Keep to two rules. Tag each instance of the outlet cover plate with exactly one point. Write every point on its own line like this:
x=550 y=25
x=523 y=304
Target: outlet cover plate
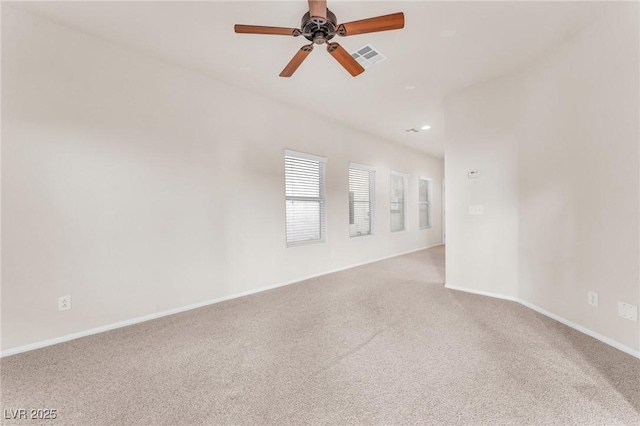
x=628 y=311
x=64 y=303
x=592 y=298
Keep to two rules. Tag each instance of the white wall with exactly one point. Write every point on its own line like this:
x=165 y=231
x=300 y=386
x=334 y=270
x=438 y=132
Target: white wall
x=562 y=165
x=579 y=216
x=481 y=127
x=135 y=186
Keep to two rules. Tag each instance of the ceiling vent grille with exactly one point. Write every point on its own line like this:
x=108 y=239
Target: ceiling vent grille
x=368 y=56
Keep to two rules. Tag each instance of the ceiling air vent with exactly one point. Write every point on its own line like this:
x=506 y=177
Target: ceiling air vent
x=368 y=56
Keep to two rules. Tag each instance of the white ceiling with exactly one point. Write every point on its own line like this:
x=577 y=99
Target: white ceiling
x=492 y=39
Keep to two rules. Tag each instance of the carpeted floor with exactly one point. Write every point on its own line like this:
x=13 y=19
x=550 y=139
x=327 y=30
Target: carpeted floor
x=384 y=343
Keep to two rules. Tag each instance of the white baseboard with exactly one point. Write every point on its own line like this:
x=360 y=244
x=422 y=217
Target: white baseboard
x=125 y=323
x=482 y=293
x=588 y=332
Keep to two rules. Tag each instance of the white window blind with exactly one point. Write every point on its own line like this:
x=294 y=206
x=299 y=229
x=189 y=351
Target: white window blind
x=398 y=201
x=304 y=198
x=424 y=203
x=361 y=199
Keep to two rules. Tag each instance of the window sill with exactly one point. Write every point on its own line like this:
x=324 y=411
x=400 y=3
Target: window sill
x=360 y=236
x=305 y=243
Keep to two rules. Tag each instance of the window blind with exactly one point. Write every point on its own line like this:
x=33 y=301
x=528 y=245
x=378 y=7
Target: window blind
x=398 y=198
x=304 y=199
x=361 y=200
x=424 y=203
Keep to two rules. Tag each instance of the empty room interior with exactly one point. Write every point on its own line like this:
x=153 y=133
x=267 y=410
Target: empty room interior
x=311 y=212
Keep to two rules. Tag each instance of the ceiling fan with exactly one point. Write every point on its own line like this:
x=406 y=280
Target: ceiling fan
x=319 y=25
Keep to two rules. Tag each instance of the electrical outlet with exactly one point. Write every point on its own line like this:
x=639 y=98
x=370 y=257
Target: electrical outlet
x=592 y=298
x=628 y=311
x=64 y=303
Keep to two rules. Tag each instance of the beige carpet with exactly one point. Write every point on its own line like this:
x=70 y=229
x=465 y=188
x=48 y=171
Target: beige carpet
x=379 y=344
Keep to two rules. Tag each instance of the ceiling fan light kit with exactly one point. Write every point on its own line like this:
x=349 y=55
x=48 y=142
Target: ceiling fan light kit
x=319 y=25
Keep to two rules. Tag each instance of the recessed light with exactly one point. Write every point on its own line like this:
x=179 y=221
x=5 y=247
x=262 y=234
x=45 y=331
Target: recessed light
x=425 y=127
x=409 y=87
x=447 y=33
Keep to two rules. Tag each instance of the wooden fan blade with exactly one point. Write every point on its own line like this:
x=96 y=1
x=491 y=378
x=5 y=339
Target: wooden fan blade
x=395 y=21
x=318 y=8
x=256 y=29
x=295 y=62
x=345 y=59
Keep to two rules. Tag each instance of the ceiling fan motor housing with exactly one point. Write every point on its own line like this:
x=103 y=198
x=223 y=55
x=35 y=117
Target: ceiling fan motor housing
x=317 y=31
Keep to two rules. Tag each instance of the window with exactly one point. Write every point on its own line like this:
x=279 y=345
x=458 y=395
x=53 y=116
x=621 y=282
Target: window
x=398 y=201
x=424 y=203
x=361 y=199
x=304 y=198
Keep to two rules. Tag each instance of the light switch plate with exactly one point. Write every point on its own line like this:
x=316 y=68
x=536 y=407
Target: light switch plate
x=476 y=209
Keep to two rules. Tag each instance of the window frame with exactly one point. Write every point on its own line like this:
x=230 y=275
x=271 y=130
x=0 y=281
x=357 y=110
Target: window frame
x=428 y=203
x=321 y=199
x=372 y=196
x=405 y=195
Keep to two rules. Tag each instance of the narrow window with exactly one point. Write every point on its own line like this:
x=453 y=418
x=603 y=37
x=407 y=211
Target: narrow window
x=304 y=198
x=424 y=203
x=398 y=201
x=361 y=199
